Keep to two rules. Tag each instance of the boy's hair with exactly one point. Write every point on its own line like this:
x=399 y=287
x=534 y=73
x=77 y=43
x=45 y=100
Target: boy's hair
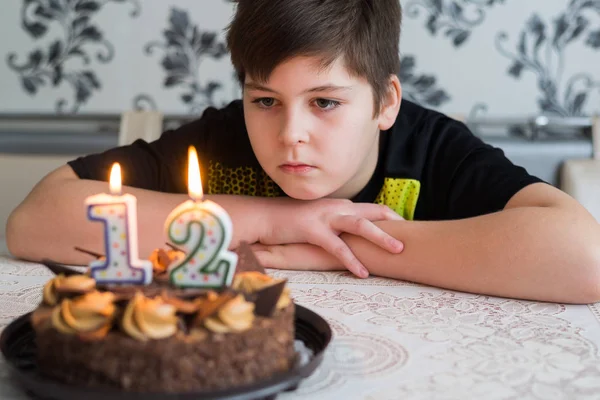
x=366 y=33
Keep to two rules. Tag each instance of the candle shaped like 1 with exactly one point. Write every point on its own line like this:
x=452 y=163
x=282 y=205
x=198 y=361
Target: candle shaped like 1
x=118 y=212
x=203 y=230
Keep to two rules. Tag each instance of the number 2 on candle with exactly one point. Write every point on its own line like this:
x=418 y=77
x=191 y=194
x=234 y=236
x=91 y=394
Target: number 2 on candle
x=204 y=238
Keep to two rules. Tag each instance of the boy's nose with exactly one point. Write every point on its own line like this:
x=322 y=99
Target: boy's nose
x=293 y=132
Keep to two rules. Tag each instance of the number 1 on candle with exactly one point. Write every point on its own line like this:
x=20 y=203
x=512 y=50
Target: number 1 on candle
x=118 y=214
x=121 y=264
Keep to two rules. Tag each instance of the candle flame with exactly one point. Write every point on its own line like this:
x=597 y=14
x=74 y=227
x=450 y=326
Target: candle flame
x=194 y=180
x=115 y=179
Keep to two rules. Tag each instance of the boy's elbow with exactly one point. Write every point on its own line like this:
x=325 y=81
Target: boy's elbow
x=16 y=234
x=22 y=226
x=590 y=284
x=22 y=230
x=595 y=266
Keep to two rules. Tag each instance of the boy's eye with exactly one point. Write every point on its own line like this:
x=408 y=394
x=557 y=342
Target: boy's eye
x=326 y=104
x=265 y=102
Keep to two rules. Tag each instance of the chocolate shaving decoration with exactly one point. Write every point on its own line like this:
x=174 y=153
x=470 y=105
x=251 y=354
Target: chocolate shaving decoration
x=58 y=269
x=89 y=252
x=208 y=307
x=64 y=292
x=162 y=278
x=182 y=325
x=247 y=261
x=267 y=298
x=123 y=297
x=41 y=315
x=249 y=297
x=163 y=259
x=182 y=306
x=189 y=293
x=127 y=292
x=172 y=246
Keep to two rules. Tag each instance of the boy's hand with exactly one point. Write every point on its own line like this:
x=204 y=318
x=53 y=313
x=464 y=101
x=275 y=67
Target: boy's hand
x=320 y=222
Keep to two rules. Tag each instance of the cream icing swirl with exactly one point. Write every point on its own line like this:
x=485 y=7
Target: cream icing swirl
x=146 y=318
x=237 y=315
x=90 y=315
x=79 y=284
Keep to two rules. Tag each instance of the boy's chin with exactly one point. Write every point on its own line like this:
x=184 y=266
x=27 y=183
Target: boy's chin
x=304 y=193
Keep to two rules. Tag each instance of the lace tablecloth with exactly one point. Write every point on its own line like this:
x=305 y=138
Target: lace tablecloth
x=397 y=340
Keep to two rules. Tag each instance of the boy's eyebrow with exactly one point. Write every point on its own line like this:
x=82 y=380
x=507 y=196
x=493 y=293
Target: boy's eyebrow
x=323 y=88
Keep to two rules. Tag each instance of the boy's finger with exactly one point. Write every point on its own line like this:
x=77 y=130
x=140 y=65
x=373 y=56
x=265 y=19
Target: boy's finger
x=376 y=212
x=364 y=228
x=337 y=247
x=297 y=256
x=270 y=259
x=259 y=247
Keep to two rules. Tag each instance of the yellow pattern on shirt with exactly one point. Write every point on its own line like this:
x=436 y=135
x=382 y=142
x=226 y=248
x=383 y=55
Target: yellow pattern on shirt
x=400 y=195
x=246 y=181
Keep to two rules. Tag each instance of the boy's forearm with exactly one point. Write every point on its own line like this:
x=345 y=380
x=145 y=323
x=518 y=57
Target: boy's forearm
x=51 y=223
x=248 y=214
x=534 y=253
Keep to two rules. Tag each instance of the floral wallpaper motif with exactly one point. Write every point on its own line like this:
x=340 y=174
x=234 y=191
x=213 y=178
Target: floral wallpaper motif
x=185 y=46
x=69 y=54
x=420 y=88
x=541 y=49
x=51 y=66
x=456 y=19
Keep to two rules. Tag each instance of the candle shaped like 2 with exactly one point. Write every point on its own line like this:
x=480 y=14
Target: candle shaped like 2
x=202 y=229
x=118 y=213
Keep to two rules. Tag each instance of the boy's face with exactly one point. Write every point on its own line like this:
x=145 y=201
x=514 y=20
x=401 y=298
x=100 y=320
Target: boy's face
x=312 y=129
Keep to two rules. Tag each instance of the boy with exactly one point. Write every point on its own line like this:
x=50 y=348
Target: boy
x=320 y=135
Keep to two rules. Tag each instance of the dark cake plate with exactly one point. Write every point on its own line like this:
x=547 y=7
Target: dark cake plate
x=17 y=344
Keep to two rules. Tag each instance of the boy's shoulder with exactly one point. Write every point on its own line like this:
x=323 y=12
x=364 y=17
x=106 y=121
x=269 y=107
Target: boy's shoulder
x=446 y=171
x=227 y=120
x=220 y=134
x=415 y=122
x=420 y=135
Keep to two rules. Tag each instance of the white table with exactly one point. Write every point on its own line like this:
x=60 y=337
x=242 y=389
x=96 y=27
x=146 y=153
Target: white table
x=398 y=340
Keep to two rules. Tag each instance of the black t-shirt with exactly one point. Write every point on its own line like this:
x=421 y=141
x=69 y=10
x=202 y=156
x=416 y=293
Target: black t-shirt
x=430 y=167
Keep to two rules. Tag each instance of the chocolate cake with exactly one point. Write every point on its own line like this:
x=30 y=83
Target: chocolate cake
x=157 y=338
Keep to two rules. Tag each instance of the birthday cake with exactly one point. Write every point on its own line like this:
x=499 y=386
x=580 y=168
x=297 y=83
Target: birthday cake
x=197 y=317
x=159 y=337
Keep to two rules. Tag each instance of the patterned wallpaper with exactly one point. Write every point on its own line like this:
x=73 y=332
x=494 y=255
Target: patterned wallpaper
x=493 y=57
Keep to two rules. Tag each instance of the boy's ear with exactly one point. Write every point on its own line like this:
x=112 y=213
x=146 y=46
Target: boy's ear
x=390 y=105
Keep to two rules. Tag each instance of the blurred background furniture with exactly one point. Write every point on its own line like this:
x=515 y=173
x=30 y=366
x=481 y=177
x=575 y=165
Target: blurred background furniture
x=140 y=124
x=581 y=177
x=540 y=144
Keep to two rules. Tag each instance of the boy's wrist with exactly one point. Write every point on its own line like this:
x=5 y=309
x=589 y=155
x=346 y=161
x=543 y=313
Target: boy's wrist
x=268 y=218
x=253 y=218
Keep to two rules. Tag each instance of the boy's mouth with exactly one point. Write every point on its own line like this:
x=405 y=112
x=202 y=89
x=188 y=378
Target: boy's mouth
x=296 y=168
